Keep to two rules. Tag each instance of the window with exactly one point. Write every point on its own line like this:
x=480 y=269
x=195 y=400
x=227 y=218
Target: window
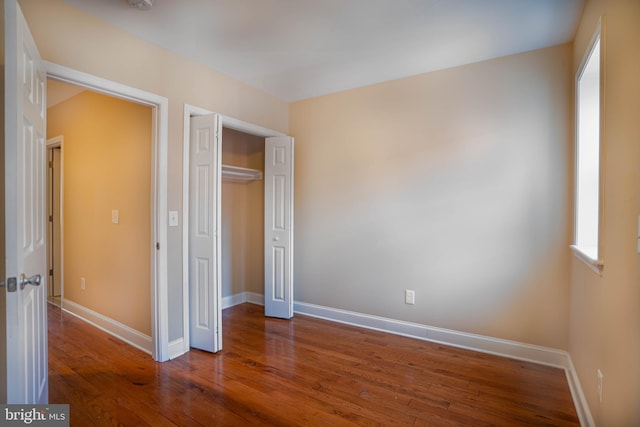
x=588 y=151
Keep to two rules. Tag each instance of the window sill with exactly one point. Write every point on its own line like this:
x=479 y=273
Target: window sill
x=583 y=255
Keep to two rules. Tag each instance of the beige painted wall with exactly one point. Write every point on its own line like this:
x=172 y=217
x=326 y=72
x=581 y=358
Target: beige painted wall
x=107 y=166
x=242 y=217
x=453 y=184
x=74 y=39
x=605 y=311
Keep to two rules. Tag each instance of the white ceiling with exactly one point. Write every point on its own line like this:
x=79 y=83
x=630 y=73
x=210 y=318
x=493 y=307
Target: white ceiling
x=296 y=49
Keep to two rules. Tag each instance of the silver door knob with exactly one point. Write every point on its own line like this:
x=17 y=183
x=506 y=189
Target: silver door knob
x=33 y=280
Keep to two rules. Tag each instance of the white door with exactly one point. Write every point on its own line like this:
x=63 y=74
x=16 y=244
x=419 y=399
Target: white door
x=25 y=207
x=204 y=222
x=278 y=227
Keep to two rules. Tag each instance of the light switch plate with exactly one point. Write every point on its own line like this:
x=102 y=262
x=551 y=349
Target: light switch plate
x=600 y=378
x=409 y=296
x=173 y=218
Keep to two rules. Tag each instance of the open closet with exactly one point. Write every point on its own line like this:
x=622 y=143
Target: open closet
x=239 y=214
x=242 y=221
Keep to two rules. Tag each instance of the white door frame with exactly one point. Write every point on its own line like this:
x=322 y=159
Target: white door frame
x=52 y=143
x=159 y=184
x=227 y=122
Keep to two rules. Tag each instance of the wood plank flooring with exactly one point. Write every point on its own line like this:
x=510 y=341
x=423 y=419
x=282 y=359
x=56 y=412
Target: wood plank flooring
x=303 y=372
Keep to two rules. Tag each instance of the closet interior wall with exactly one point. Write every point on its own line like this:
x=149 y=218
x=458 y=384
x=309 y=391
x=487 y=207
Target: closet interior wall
x=242 y=221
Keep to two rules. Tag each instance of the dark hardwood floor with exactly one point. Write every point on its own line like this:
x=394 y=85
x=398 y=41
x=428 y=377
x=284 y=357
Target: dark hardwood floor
x=303 y=372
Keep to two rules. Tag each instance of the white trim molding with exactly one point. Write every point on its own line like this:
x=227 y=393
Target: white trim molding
x=254 y=298
x=579 y=400
x=242 y=126
x=159 y=239
x=119 y=330
x=499 y=347
x=230 y=123
x=593 y=254
x=594 y=264
x=176 y=348
x=496 y=346
x=58 y=142
x=236 y=299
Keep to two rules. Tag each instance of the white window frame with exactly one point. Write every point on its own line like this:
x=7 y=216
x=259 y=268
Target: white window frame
x=583 y=253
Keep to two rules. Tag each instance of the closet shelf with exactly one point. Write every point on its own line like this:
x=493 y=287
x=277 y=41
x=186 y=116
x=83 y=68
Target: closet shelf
x=240 y=174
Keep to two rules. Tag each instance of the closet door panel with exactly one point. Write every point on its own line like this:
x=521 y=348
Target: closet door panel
x=278 y=293
x=204 y=249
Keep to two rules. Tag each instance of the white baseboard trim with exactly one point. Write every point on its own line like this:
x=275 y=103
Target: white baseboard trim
x=177 y=348
x=252 y=297
x=500 y=347
x=232 y=300
x=113 y=327
x=582 y=407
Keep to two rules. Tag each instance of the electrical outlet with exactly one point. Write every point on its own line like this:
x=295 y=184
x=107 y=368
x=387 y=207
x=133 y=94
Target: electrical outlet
x=600 y=379
x=409 y=296
x=83 y=284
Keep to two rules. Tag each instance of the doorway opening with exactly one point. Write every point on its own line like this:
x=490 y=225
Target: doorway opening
x=242 y=218
x=107 y=205
x=156 y=166
x=204 y=175
x=54 y=223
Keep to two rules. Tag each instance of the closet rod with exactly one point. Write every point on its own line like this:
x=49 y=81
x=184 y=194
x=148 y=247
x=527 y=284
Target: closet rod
x=238 y=173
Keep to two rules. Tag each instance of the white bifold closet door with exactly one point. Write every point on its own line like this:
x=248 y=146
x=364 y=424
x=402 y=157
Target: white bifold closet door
x=204 y=225
x=278 y=227
x=205 y=305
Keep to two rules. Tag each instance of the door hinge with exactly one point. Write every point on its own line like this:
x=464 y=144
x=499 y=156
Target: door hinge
x=158 y=245
x=50 y=218
x=51 y=272
x=50 y=165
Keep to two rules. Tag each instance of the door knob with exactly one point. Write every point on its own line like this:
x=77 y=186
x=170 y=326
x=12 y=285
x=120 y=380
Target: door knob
x=33 y=280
